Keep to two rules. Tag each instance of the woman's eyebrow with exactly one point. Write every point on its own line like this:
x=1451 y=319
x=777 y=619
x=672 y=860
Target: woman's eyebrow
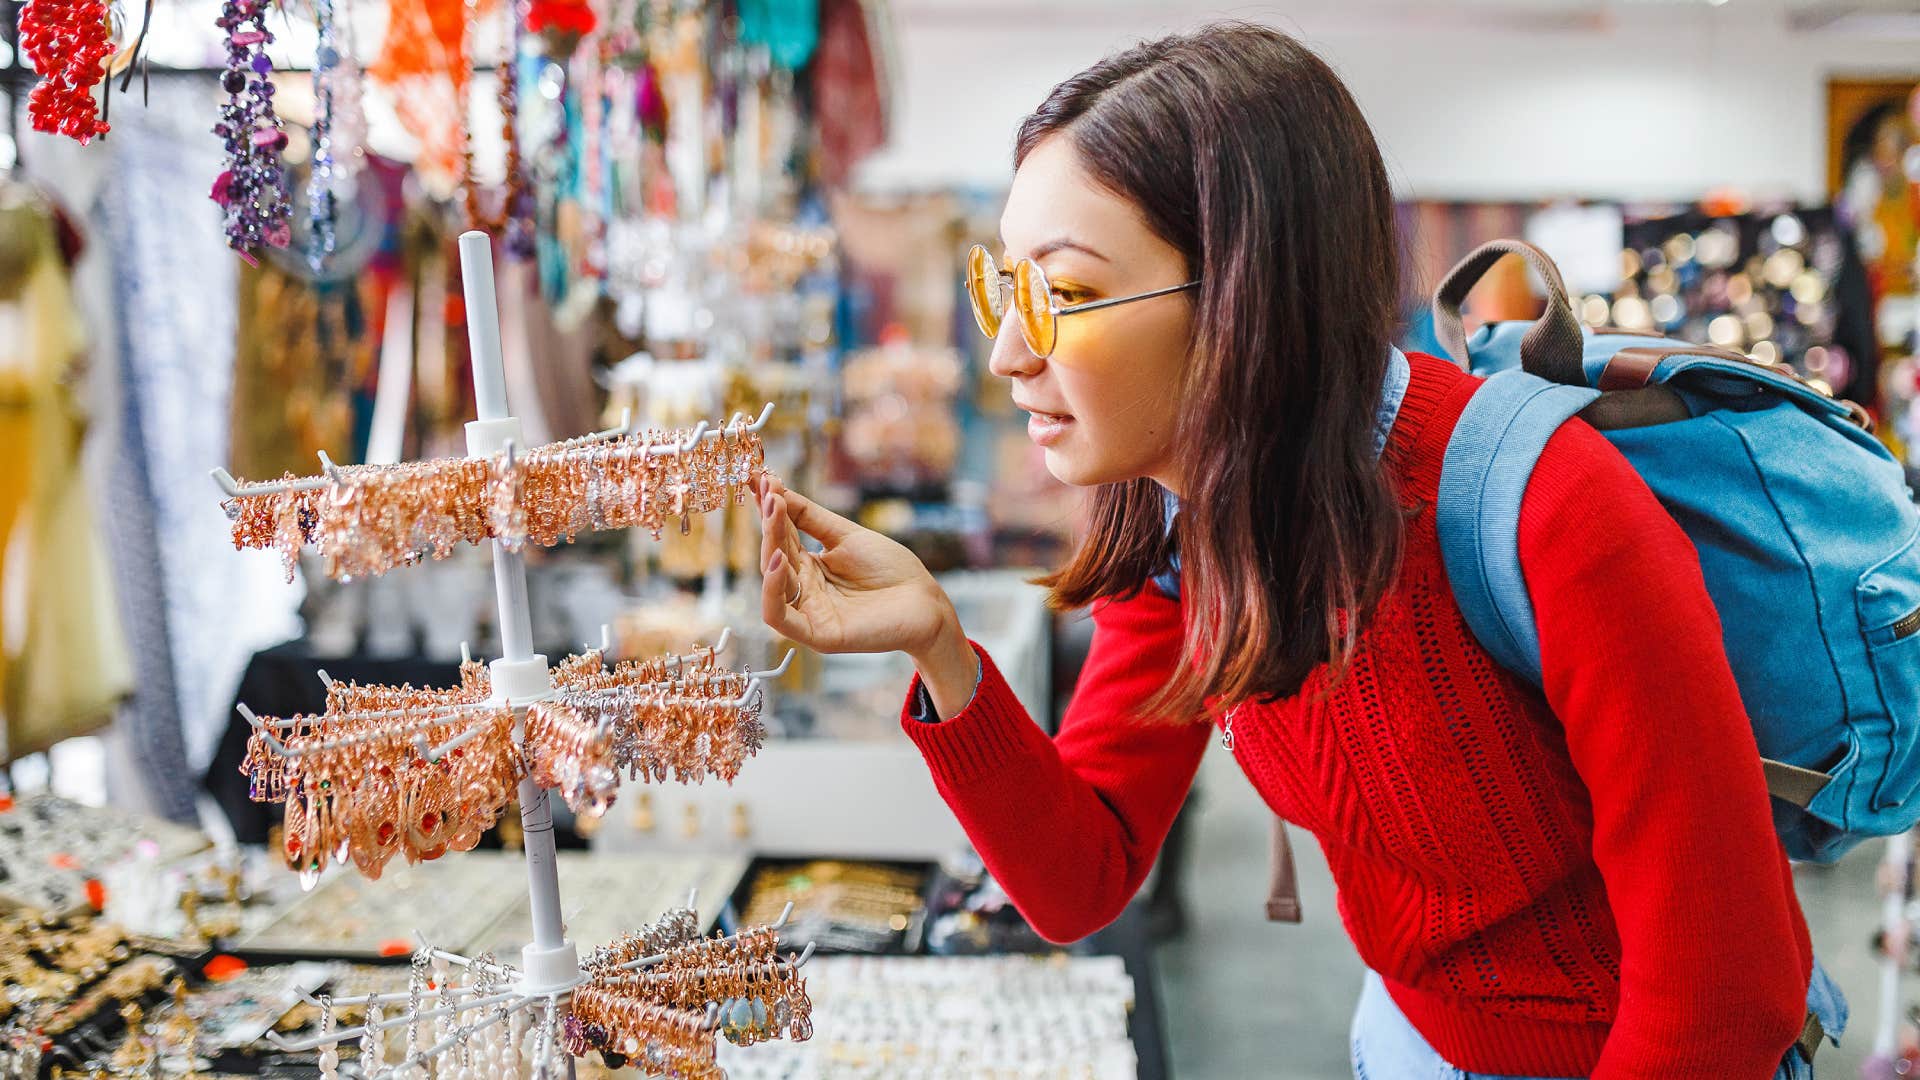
x=1058 y=244
x=1064 y=244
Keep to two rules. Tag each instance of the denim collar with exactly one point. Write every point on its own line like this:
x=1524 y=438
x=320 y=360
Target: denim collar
x=1393 y=391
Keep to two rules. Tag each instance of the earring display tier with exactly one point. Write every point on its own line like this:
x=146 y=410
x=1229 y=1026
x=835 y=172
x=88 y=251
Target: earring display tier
x=659 y=998
x=963 y=1018
x=389 y=771
x=367 y=519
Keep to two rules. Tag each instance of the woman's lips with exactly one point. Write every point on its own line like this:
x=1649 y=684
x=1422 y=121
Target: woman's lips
x=1047 y=428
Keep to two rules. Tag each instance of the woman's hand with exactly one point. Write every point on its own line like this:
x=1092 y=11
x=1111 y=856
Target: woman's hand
x=863 y=593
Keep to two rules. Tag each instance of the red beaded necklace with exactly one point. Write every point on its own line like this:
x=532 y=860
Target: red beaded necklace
x=67 y=40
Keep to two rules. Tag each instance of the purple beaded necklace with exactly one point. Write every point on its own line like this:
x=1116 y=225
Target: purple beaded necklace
x=253 y=189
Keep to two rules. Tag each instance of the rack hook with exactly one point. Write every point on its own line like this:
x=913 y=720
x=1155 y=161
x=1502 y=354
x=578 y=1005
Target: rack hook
x=333 y=471
x=775 y=673
x=746 y=695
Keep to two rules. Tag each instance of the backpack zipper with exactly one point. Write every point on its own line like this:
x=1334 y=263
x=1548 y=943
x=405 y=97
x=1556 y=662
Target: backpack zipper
x=1908 y=624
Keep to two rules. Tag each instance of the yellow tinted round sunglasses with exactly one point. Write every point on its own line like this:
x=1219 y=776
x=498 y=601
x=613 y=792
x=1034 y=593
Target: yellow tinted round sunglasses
x=988 y=286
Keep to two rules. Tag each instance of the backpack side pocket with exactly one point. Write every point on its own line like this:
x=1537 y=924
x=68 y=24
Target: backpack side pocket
x=1888 y=603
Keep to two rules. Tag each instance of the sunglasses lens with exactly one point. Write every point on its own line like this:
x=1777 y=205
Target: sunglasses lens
x=1033 y=299
x=984 y=291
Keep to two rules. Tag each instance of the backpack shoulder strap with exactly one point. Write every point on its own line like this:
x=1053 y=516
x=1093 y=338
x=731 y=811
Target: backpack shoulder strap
x=1489 y=459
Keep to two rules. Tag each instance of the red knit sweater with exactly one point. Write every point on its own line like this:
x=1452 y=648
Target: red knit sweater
x=1582 y=884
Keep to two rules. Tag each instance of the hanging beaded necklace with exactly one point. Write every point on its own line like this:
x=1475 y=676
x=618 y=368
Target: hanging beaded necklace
x=253 y=188
x=508 y=97
x=67 y=41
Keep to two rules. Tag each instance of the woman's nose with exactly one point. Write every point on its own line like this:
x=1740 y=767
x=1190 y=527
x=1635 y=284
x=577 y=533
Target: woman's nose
x=1010 y=354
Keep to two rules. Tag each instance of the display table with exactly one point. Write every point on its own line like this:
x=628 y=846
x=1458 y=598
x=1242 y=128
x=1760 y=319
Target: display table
x=347 y=920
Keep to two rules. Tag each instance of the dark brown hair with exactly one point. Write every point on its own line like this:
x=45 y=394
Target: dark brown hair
x=1244 y=150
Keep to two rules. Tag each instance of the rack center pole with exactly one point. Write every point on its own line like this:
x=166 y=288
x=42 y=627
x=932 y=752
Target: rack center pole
x=520 y=675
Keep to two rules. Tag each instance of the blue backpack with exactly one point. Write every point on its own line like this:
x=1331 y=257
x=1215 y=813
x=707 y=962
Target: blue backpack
x=1803 y=521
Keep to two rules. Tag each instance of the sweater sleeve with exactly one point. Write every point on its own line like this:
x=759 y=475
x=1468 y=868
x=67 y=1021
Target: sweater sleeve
x=1070 y=826
x=1715 y=956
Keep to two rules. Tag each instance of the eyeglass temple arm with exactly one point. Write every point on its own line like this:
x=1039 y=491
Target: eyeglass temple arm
x=1095 y=305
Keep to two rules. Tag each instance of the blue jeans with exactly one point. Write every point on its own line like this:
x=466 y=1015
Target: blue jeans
x=1386 y=1047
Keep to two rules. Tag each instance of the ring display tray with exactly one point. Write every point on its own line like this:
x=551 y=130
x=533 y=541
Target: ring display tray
x=50 y=846
x=350 y=917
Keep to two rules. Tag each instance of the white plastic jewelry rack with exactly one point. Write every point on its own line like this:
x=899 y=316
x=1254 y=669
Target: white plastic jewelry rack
x=501 y=1005
x=549 y=968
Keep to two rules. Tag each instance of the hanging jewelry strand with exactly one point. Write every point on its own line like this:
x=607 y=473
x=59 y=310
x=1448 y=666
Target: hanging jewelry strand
x=253 y=189
x=507 y=96
x=322 y=208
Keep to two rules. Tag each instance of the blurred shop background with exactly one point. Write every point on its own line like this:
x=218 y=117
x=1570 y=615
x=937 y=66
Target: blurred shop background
x=702 y=206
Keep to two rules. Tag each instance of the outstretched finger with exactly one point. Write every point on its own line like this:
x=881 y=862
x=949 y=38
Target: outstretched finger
x=776 y=590
x=773 y=528
x=778 y=531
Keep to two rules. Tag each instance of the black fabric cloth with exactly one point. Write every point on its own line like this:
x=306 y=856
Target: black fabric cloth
x=282 y=681
x=1853 y=325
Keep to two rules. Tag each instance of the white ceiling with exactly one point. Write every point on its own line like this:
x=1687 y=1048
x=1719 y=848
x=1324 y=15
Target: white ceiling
x=1805 y=14
x=1082 y=8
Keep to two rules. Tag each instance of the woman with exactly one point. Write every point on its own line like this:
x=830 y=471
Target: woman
x=1195 y=304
